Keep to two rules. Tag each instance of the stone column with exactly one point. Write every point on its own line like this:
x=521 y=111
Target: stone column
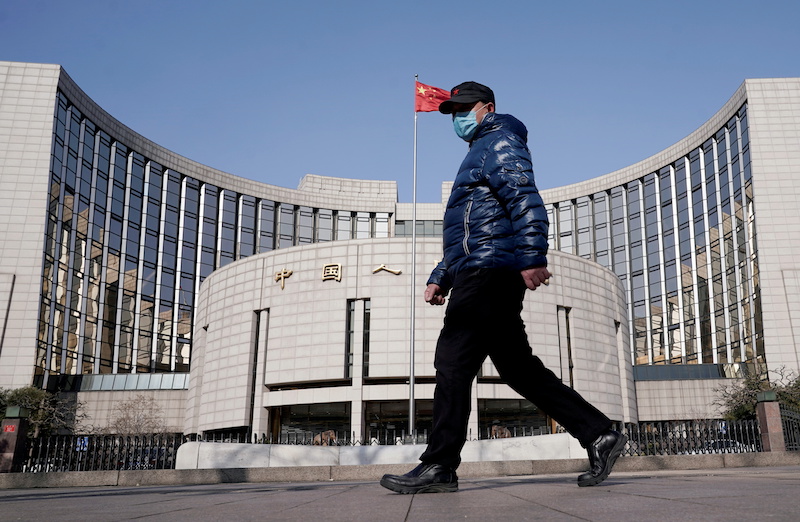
x=768 y=412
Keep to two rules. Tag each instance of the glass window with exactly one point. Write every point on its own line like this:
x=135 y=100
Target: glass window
x=634 y=212
x=299 y=423
x=515 y=417
x=229 y=207
x=565 y=227
x=349 y=341
x=286 y=226
x=148 y=274
x=650 y=192
x=363 y=225
x=552 y=231
x=208 y=233
x=324 y=225
x=169 y=253
x=637 y=256
x=182 y=355
x=266 y=226
x=227 y=230
x=343 y=225
x=173 y=189
x=137 y=174
x=583 y=213
x=247 y=226
x=305 y=225
x=696 y=175
x=382 y=224
x=602 y=232
x=565 y=223
x=365 y=338
x=191 y=224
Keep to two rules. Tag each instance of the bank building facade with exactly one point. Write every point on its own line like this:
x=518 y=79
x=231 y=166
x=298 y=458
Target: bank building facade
x=126 y=270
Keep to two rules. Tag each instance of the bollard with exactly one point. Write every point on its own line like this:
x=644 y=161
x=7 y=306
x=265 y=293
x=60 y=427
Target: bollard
x=768 y=412
x=13 y=437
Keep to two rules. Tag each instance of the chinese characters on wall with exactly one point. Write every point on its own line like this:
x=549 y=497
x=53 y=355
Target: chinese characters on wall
x=330 y=272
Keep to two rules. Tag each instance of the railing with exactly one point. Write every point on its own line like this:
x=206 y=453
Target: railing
x=790 y=420
x=691 y=437
x=117 y=452
x=325 y=438
x=102 y=452
x=644 y=438
x=382 y=437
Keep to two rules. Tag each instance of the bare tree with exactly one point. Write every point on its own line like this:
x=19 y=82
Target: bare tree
x=49 y=412
x=738 y=400
x=137 y=416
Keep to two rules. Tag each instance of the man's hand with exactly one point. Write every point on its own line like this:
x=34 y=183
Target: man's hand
x=534 y=277
x=434 y=294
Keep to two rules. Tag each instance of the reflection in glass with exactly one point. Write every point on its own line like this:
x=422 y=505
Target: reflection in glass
x=683 y=244
x=128 y=240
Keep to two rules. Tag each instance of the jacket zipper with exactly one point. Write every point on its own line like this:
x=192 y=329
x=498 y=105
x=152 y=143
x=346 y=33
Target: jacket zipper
x=466 y=226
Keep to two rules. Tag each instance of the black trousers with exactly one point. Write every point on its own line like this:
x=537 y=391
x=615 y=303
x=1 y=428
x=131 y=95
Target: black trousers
x=483 y=318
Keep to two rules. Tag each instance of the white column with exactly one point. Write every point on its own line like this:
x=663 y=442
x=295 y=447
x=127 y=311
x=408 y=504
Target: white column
x=472 y=424
x=356 y=403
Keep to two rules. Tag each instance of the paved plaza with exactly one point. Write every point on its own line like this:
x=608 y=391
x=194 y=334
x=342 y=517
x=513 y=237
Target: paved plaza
x=765 y=493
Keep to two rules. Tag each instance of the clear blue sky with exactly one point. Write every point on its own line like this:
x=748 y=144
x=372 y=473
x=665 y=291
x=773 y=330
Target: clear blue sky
x=273 y=90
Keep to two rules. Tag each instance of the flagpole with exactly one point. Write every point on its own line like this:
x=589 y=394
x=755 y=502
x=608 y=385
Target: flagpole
x=413 y=290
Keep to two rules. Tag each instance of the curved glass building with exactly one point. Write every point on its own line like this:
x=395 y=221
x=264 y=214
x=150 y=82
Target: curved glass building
x=681 y=236
x=108 y=238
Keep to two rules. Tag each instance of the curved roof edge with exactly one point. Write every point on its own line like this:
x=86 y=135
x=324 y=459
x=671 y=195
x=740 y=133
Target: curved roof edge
x=564 y=258
x=313 y=190
x=374 y=195
x=655 y=162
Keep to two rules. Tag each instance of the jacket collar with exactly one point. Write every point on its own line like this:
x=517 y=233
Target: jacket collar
x=494 y=122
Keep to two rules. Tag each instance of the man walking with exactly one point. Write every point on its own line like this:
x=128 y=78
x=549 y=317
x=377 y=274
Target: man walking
x=495 y=247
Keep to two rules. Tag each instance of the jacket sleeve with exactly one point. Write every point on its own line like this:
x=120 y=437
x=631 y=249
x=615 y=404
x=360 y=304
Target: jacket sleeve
x=510 y=178
x=440 y=277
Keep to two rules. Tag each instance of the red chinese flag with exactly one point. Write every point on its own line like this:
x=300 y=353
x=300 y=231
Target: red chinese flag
x=428 y=98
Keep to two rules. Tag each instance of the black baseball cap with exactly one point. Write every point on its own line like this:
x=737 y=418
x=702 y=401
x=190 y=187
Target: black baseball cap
x=467 y=92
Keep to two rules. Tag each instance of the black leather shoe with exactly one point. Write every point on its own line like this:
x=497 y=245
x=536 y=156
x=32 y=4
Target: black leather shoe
x=602 y=454
x=425 y=478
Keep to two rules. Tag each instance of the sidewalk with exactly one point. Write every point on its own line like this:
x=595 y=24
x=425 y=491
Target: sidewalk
x=718 y=494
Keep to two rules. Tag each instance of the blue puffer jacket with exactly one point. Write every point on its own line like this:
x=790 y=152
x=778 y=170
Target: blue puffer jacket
x=495 y=217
